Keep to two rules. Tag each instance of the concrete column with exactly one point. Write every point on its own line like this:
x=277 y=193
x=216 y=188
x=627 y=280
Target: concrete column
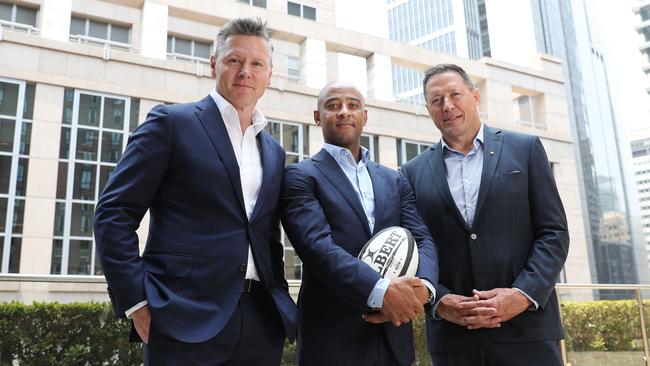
x=313 y=61
x=380 y=77
x=40 y=197
x=55 y=19
x=388 y=151
x=153 y=37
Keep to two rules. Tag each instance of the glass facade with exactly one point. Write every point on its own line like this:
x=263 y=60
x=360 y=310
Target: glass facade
x=16 y=113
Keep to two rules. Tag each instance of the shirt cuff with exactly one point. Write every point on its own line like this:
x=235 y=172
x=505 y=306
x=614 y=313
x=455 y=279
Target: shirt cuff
x=432 y=291
x=376 y=298
x=135 y=307
x=534 y=305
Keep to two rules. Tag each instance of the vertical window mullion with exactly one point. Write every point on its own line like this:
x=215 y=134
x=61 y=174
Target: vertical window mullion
x=14 y=12
x=87 y=30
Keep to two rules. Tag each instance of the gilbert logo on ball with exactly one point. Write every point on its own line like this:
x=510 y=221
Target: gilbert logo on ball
x=392 y=252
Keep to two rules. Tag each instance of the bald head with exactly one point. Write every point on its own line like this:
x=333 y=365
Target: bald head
x=337 y=85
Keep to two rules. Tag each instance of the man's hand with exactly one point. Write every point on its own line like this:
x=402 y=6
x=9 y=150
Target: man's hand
x=507 y=302
x=421 y=293
x=463 y=311
x=142 y=321
x=400 y=304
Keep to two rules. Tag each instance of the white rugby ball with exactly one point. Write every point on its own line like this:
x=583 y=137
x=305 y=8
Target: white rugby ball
x=392 y=252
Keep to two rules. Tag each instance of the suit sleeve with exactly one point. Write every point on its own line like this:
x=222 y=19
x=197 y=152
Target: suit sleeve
x=126 y=198
x=307 y=227
x=551 y=245
x=411 y=220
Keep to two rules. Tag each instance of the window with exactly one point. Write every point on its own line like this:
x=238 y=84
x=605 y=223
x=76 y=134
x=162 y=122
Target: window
x=17 y=14
x=292 y=136
x=16 y=111
x=258 y=3
x=99 y=32
x=407 y=150
x=293 y=67
x=525 y=107
x=94 y=132
x=301 y=10
x=188 y=49
x=371 y=143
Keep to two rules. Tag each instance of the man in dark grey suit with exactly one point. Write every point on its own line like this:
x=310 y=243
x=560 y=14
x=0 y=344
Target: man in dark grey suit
x=490 y=201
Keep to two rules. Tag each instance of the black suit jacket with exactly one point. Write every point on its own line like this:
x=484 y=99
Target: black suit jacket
x=326 y=223
x=519 y=237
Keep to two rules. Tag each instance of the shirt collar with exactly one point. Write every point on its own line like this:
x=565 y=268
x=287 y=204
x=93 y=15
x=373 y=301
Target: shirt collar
x=343 y=155
x=229 y=113
x=478 y=141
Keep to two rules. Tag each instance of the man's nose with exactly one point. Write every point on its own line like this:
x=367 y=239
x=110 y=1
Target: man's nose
x=344 y=111
x=447 y=104
x=244 y=71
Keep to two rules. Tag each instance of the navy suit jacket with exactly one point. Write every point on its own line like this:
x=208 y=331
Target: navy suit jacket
x=519 y=237
x=325 y=221
x=180 y=165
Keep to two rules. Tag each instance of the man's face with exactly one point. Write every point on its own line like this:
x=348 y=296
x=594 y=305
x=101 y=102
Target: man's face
x=342 y=114
x=243 y=70
x=452 y=105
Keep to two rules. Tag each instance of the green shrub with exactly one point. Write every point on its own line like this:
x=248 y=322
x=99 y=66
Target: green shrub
x=608 y=325
x=89 y=334
x=65 y=334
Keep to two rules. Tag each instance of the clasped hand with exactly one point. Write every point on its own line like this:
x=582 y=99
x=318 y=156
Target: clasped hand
x=485 y=309
x=403 y=301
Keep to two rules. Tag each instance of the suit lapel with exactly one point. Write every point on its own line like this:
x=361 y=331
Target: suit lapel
x=493 y=141
x=210 y=117
x=379 y=190
x=326 y=164
x=438 y=173
x=268 y=161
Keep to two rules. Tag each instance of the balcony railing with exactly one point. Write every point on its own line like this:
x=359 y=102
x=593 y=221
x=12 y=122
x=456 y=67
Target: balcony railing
x=18 y=26
x=605 y=324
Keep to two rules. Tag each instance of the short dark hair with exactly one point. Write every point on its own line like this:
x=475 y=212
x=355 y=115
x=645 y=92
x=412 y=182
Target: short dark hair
x=441 y=69
x=243 y=27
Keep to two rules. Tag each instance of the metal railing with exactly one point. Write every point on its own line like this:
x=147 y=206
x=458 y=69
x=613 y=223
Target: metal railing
x=632 y=292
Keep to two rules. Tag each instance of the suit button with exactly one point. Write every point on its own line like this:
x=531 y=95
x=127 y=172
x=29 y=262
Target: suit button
x=473 y=236
x=242 y=268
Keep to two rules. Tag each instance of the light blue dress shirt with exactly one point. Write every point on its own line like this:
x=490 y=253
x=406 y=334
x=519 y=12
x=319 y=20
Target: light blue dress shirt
x=464 y=180
x=357 y=174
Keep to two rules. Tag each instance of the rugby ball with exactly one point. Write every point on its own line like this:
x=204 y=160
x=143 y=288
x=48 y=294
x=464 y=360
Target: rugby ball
x=392 y=252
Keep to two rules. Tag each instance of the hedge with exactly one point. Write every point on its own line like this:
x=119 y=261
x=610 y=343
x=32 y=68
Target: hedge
x=89 y=334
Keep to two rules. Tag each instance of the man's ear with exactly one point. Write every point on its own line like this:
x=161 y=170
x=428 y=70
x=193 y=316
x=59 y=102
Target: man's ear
x=213 y=66
x=317 y=118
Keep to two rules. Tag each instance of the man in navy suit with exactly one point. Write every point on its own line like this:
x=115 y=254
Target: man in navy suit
x=331 y=205
x=209 y=288
x=489 y=199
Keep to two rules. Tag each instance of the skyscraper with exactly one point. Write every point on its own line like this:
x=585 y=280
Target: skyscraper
x=449 y=26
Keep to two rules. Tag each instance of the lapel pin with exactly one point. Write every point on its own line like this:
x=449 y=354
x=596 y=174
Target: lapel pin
x=491 y=152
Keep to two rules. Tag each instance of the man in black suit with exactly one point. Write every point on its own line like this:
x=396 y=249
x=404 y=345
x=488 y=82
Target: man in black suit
x=490 y=201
